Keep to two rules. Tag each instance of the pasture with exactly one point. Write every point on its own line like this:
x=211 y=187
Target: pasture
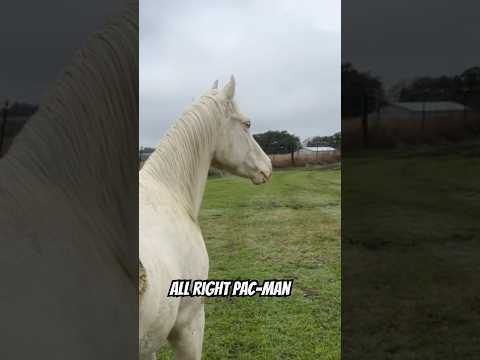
x=287 y=229
x=411 y=239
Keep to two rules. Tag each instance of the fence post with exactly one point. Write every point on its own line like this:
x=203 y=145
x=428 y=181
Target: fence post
x=2 y=127
x=365 y=120
x=423 y=120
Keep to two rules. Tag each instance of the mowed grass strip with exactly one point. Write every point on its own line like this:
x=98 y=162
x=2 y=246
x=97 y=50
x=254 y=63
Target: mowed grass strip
x=286 y=229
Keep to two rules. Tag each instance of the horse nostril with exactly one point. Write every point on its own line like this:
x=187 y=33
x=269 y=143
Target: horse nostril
x=266 y=175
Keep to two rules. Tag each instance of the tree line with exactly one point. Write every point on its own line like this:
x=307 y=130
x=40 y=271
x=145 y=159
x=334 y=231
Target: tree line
x=361 y=90
x=463 y=88
x=334 y=141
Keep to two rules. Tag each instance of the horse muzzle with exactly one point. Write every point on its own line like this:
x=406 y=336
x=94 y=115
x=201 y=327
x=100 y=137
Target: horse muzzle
x=261 y=177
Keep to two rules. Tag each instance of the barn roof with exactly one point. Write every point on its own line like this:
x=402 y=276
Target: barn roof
x=431 y=106
x=319 y=148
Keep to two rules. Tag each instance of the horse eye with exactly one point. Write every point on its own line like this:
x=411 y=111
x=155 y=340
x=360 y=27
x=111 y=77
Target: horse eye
x=247 y=124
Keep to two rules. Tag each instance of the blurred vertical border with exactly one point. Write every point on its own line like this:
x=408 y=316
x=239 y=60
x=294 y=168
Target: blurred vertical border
x=69 y=180
x=410 y=189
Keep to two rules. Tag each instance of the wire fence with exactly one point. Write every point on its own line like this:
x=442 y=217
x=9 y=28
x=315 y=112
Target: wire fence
x=302 y=158
x=424 y=122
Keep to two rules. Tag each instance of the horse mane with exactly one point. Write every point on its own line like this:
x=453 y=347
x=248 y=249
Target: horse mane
x=174 y=163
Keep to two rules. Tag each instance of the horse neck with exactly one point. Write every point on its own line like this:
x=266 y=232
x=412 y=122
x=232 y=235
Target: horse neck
x=182 y=159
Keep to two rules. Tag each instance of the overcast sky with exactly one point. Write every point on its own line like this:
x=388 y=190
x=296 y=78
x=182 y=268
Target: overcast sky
x=285 y=56
x=39 y=38
x=405 y=39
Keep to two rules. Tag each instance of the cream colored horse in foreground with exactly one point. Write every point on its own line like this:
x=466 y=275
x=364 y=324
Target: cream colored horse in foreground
x=172 y=183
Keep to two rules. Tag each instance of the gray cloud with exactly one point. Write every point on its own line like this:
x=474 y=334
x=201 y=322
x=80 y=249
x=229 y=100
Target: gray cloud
x=285 y=56
x=39 y=38
x=405 y=39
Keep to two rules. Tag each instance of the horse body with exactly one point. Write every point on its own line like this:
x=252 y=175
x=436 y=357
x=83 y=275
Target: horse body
x=171 y=233
x=172 y=184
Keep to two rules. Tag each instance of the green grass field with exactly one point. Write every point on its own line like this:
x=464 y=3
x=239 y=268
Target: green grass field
x=410 y=253
x=287 y=229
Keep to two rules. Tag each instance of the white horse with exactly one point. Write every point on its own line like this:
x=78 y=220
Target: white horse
x=172 y=183
x=68 y=229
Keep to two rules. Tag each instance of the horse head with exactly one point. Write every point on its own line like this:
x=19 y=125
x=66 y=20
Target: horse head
x=236 y=150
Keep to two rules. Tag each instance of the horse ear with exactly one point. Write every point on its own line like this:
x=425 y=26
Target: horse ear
x=229 y=89
x=215 y=85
